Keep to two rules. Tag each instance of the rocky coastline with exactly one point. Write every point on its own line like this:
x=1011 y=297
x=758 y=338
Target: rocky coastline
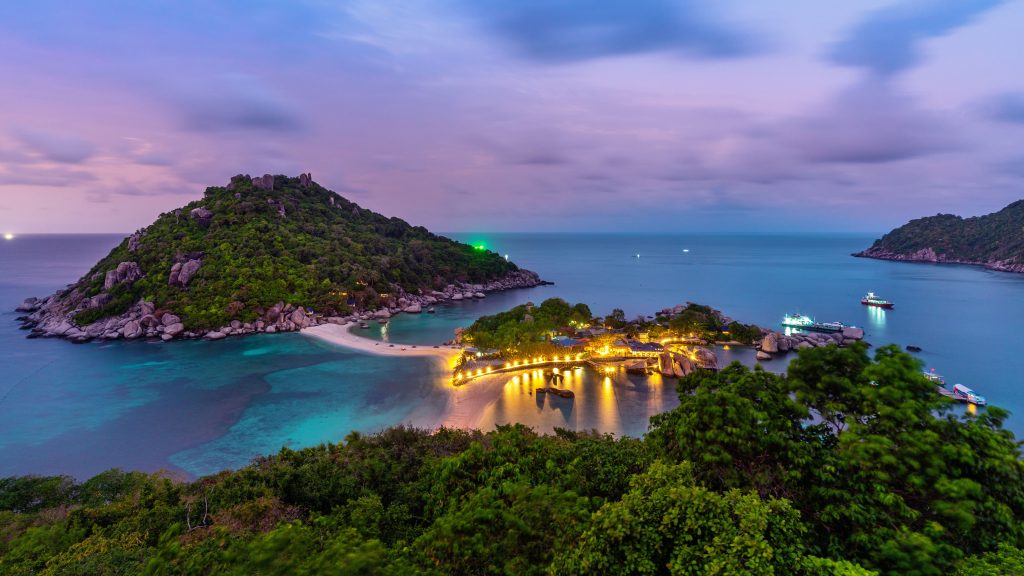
x=774 y=343
x=54 y=316
x=928 y=255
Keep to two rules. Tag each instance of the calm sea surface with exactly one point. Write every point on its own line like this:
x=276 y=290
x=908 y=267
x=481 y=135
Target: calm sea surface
x=198 y=407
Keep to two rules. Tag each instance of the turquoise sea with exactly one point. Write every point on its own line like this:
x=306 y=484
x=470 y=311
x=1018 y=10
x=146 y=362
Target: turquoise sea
x=197 y=407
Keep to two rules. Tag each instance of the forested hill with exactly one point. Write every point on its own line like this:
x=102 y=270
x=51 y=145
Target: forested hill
x=995 y=240
x=261 y=242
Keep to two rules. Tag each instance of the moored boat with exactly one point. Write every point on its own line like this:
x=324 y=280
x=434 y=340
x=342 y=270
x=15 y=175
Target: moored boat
x=802 y=322
x=797 y=321
x=870 y=299
x=964 y=393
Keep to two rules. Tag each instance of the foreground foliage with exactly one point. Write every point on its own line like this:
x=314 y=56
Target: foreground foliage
x=848 y=466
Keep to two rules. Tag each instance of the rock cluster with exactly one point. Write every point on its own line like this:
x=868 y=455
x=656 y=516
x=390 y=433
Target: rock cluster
x=202 y=216
x=182 y=272
x=125 y=273
x=776 y=343
x=278 y=205
x=265 y=182
x=679 y=365
x=306 y=179
x=53 y=317
x=133 y=240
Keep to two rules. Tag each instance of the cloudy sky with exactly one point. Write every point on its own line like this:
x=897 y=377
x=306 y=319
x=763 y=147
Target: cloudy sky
x=553 y=115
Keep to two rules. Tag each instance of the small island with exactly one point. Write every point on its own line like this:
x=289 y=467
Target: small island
x=263 y=255
x=675 y=342
x=995 y=241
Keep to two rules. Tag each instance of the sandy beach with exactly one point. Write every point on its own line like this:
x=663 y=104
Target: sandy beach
x=464 y=405
x=342 y=335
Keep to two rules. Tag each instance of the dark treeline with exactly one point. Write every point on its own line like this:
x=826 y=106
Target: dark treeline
x=850 y=465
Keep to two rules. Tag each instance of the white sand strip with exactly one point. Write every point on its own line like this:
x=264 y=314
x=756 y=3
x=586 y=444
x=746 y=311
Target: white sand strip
x=465 y=404
x=342 y=335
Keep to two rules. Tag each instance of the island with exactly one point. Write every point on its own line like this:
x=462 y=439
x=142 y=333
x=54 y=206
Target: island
x=995 y=241
x=675 y=342
x=266 y=254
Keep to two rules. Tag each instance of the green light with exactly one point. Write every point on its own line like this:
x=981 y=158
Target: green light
x=480 y=247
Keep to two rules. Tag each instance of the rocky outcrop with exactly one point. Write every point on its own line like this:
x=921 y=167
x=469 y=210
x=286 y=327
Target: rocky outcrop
x=279 y=206
x=29 y=305
x=777 y=343
x=98 y=301
x=929 y=255
x=306 y=180
x=182 y=272
x=125 y=273
x=265 y=182
x=54 y=316
x=202 y=216
x=133 y=241
x=299 y=319
x=132 y=329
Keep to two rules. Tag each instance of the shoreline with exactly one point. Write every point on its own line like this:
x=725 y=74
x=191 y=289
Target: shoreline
x=915 y=258
x=465 y=405
x=342 y=335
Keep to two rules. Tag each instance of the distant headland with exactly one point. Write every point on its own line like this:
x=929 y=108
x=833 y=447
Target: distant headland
x=995 y=241
x=265 y=254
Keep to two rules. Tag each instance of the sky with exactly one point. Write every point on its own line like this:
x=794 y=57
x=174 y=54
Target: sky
x=524 y=115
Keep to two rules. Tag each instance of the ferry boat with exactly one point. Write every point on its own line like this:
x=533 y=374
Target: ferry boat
x=797 y=321
x=933 y=376
x=871 y=300
x=827 y=327
x=964 y=393
x=807 y=323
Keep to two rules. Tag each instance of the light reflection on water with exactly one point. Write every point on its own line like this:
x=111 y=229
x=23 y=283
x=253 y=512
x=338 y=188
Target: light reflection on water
x=619 y=403
x=876 y=317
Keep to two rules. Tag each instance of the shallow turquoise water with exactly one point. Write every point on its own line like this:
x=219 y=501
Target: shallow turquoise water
x=198 y=407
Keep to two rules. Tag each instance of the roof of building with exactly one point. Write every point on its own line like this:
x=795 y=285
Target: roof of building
x=635 y=346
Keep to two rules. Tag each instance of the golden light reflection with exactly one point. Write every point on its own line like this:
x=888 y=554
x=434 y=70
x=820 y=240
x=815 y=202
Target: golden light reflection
x=608 y=407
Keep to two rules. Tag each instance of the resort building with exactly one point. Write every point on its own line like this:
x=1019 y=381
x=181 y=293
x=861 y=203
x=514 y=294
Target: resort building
x=638 y=349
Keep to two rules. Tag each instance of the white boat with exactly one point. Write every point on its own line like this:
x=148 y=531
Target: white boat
x=970 y=396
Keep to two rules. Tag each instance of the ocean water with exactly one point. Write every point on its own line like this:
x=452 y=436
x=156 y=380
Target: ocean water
x=197 y=407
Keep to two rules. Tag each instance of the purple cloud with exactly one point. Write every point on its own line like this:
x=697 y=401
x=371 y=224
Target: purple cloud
x=574 y=30
x=57 y=146
x=238 y=103
x=869 y=124
x=888 y=40
x=1007 y=107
